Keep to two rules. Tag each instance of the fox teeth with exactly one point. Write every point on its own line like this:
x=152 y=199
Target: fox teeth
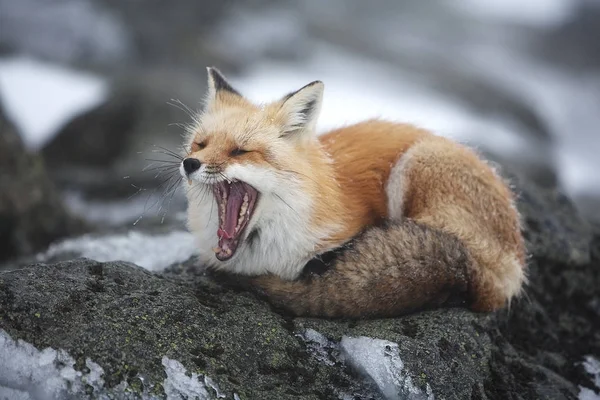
x=243 y=209
x=190 y=181
x=216 y=249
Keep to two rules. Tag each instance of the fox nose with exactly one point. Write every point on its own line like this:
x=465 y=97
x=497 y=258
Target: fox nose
x=191 y=165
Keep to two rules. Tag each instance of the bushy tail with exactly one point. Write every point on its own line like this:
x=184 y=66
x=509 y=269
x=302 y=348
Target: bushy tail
x=386 y=271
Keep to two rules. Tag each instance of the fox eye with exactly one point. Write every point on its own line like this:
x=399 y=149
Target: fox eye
x=238 y=152
x=198 y=146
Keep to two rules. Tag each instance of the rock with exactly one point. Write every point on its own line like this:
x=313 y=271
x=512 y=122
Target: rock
x=98 y=137
x=126 y=319
x=95 y=151
x=143 y=329
x=31 y=210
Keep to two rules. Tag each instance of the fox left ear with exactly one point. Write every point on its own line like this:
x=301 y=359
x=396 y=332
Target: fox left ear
x=217 y=83
x=300 y=110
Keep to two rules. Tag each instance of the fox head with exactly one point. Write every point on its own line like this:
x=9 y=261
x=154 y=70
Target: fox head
x=252 y=163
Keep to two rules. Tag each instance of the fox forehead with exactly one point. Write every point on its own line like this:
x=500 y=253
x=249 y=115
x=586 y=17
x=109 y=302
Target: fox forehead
x=236 y=126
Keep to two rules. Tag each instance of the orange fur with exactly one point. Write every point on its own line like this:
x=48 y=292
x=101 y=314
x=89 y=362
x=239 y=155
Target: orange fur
x=449 y=188
x=451 y=222
x=362 y=156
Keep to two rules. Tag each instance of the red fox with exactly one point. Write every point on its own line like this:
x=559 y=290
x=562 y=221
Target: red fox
x=414 y=220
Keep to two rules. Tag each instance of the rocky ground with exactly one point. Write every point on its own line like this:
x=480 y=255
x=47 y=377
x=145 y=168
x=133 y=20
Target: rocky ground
x=75 y=327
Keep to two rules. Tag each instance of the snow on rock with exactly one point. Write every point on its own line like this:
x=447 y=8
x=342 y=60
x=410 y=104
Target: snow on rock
x=318 y=345
x=375 y=359
x=588 y=394
x=178 y=385
x=592 y=367
x=40 y=97
x=153 y=252
x=29 y=373
x=380 y=361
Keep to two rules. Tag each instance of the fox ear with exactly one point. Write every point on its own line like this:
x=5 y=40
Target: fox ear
x=300 y=109
x=217 y=84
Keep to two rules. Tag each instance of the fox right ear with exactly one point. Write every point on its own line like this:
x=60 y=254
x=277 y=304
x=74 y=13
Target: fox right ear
x=300 y=110
x=217 y=84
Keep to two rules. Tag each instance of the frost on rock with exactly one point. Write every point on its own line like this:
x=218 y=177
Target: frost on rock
x=380 y=361
x=376 y=359
x=179 y=385
x=318 y=345
x=29 y=373
x=211 y=384
x=153 y=252
x=592 y=367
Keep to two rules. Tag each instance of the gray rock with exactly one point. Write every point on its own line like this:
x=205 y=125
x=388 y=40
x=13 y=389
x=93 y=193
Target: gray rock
x=95 y=151
x=31 y=210
x=127 y=319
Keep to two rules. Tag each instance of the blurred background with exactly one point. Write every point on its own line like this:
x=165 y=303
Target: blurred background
x=90 y=89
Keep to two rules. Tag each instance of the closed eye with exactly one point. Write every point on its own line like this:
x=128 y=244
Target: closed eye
x=238 y=152
x=198 y=146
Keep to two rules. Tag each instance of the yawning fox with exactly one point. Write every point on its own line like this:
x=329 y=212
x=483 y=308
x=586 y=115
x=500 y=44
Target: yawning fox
x=402 y=219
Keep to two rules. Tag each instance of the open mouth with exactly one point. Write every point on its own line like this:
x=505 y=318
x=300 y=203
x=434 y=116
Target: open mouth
x=236 y=201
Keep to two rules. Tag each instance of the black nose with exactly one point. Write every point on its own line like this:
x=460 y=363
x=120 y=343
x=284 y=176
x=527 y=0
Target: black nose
x=191 y=165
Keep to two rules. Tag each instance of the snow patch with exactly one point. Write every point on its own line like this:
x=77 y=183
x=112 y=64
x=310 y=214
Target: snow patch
x=380 y=361
x=587 y=394
x=40 y=97
x=29 y=373
x=375 y=359
x=179 y=385
x=153 y=252
x=592 y=367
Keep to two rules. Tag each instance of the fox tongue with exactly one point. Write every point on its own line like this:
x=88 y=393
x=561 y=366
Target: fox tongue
x=236 y=202
x=227 y=232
